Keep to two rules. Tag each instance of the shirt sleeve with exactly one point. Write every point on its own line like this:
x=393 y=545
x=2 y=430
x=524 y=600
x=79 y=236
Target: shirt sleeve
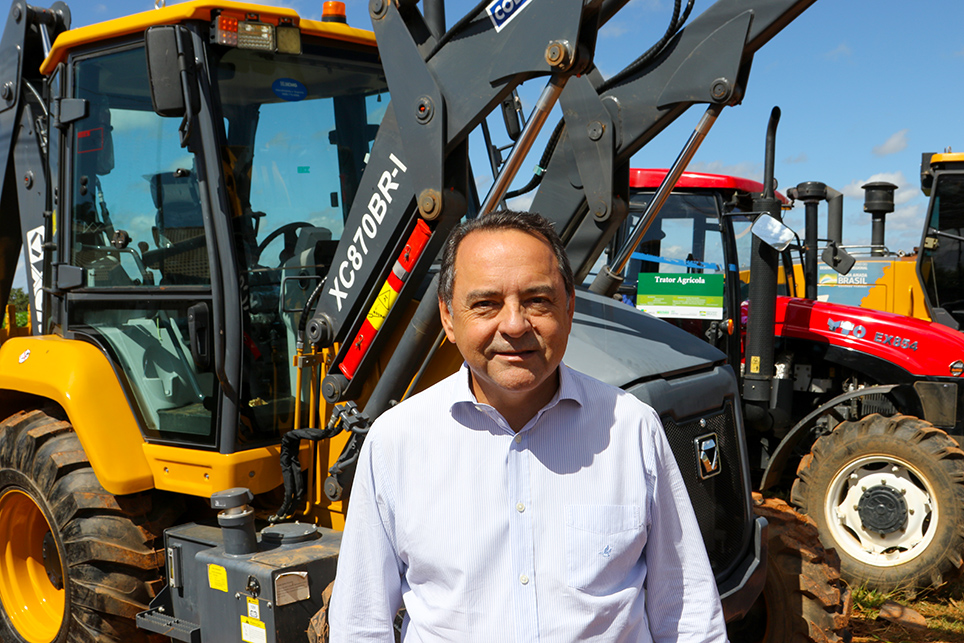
x=682 y=601
x=367 y=591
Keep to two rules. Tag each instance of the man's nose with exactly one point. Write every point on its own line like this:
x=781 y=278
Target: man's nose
x=514 y=321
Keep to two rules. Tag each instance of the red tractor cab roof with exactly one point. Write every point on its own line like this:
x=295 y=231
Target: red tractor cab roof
x=641 y=179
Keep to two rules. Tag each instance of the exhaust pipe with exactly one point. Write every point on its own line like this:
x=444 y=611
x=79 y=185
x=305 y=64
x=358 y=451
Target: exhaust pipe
x=763 y=286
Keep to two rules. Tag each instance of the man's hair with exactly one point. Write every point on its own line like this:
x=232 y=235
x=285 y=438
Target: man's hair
x=534 y=224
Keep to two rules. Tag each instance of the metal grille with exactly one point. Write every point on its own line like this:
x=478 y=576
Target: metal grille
x=718 y=501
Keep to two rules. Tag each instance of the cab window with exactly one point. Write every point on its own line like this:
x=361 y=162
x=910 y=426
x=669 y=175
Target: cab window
x=137 y=232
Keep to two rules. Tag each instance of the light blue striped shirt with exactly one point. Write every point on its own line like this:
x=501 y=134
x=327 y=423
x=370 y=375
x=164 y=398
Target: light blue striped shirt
x=578 y=528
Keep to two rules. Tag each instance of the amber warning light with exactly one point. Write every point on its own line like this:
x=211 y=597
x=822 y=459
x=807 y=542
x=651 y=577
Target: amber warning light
x=333 y=11
x=257 y=31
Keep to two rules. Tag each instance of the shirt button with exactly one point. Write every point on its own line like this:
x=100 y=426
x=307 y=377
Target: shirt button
x=518 y=439
x=524 y=579
x=520 y=507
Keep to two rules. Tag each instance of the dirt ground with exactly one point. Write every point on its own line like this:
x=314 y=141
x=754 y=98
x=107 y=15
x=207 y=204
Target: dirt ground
x=943 y=611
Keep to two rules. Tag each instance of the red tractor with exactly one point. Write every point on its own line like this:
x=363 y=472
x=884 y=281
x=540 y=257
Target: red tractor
x=850 y=411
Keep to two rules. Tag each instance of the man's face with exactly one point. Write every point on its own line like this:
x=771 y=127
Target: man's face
x=510 y=316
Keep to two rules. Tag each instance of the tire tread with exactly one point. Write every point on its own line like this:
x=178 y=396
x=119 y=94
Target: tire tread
x=815 y=472
x=113 y=545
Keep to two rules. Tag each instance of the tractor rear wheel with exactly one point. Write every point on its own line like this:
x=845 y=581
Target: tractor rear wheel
x=888 y=494
x=804 y=600
x=78 y=562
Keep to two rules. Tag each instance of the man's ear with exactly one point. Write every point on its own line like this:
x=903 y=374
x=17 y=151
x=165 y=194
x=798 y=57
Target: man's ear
x=446 y=316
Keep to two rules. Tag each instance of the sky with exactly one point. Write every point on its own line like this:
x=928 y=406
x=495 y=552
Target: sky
x=864 y=87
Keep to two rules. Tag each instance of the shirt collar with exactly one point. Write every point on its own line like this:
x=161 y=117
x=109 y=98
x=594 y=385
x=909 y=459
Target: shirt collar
x=462 y=392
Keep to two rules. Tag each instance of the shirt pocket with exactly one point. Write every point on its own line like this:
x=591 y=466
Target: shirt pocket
x=603 y=545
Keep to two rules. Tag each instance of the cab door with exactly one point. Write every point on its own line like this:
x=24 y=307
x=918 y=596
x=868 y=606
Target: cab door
x=136 y=254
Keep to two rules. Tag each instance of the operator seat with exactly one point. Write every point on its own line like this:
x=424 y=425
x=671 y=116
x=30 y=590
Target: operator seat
x=179 y=230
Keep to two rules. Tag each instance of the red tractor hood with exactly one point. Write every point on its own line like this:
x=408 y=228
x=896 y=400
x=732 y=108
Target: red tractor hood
x=919 y=347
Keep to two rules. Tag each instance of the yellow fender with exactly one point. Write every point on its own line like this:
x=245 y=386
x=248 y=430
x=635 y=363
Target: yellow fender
x=79 y=377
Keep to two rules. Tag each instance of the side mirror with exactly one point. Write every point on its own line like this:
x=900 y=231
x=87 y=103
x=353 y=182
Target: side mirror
x=169 y=53
x=837 y=258
x=772 y=232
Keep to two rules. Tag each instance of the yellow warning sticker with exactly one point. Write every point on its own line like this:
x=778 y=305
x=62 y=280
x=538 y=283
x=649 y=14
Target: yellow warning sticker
x=253 y=631
x=217 y=578
x=253 y=610
x=383 y=303
x=755 y=364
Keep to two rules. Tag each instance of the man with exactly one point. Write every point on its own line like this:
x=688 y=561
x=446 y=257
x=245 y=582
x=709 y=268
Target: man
x=519 y=500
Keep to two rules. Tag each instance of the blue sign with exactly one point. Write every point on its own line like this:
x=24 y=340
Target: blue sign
x=289 y=89
x=503 y=11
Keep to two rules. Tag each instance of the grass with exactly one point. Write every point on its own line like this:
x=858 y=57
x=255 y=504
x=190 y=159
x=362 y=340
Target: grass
x=943 y=608
x=867 y=599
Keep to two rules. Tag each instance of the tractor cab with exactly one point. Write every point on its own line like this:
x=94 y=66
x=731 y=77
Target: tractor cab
x=700 y=238
x=940 y=261
x=188 y=238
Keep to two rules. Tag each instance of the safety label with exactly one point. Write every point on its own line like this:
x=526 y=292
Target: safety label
x=253 y=610
x=217 y=578
x=253 y=631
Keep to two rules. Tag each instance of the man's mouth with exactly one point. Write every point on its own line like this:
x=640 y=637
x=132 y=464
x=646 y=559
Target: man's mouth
x=515 y=353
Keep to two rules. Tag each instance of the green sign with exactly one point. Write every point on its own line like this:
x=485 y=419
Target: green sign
x=693 y=296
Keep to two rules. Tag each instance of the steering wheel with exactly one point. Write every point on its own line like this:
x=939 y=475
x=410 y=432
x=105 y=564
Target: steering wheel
x=290 y=232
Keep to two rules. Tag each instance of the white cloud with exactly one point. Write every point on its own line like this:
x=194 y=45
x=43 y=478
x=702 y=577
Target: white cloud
x=909 y=217
x=281 y=140
x=799 y=158
x=906 y=190
x=842 y=51
x=522 y=202
x=896 y=143
x=614 y=29
x=482 y=182
x=674 y=251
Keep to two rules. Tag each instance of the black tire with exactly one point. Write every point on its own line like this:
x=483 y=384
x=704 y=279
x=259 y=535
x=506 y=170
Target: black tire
x=105 y=552
x=804 y=599
x=888 y=494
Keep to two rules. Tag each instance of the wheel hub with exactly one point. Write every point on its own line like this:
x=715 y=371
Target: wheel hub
x=32 y=601
x=52 y=561
x=882 y=509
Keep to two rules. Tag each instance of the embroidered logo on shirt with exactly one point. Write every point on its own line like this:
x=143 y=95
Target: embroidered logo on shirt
x=708 y=454
x=607 y=552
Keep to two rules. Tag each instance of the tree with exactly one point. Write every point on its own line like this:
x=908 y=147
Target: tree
x=19 y=299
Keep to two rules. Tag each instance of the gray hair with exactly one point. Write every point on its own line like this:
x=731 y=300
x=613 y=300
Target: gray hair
x=534 y=224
